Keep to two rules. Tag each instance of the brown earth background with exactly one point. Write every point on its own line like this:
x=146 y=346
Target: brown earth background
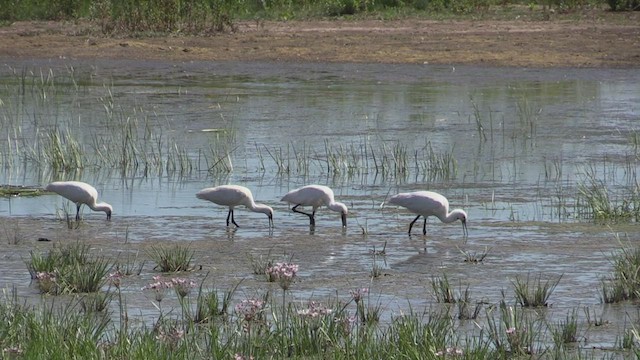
x=603 y=39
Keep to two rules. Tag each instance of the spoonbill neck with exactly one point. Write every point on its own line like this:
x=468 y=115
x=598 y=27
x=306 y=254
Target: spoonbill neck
x=261 y=209
x=454 y=215
x=338 y=207
x=100 y=207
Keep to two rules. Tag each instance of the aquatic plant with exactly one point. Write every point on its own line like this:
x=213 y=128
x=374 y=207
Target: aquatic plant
x=594 y=201
x=532 y=293
x=62 y=152
x=209 y=306
x=171 y=258
x=130 y=265
x=566 y=331
x=474 y=256
x=624 y=283
x=69 y=269
x=19 y=190
x=512 y=331
x=467 y=309
x=261 y=263
x=442 y=290
x=282 y=273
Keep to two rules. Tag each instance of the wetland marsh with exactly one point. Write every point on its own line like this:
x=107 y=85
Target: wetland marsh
x=521 y=151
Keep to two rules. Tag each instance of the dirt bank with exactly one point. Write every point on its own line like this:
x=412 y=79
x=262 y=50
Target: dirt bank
x=604 y=39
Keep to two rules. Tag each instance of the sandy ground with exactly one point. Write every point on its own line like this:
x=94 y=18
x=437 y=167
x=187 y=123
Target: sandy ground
x=600 y=39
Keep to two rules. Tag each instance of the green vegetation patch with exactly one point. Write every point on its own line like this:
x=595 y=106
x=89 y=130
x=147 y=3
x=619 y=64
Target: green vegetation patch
x=19 y=190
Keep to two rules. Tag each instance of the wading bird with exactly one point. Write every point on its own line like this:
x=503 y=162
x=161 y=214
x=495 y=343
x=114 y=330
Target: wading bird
x=80 y=193
x=428 y=203
x=315 y=196
x=232 y=196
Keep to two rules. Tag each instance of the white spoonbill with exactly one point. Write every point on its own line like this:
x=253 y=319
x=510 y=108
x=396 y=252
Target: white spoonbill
x=315 y=196
x=428 y=203
x=232 y=196
x=80 y=193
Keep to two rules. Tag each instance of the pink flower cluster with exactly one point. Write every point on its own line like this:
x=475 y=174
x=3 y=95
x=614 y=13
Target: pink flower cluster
x=283 y=273
x=114 y=278
x=357 y=294
x=249 y=309
x=314 y=309
x=47 y=282
x=46 y=276
x=183 y=286
x=242 y=357
x=159 y=286
x=452 y=351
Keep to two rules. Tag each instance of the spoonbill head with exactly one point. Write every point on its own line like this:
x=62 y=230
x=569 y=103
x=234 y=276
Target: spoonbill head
x=315 y=196
x=232 y=196
x=429 y=203
x=80 y=193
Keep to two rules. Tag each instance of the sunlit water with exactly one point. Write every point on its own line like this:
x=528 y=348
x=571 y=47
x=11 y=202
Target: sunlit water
x=522 y=139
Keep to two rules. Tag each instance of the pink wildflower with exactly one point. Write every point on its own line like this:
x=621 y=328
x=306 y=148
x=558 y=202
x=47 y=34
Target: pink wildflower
x=314 y=309
x=114 y=278
x=249 y=309
x=358 y=293
x=283 y=273
x=451 y=351
x=158 y=287
x=183 y=286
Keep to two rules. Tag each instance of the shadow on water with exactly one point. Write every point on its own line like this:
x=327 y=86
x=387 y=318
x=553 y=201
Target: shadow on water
x=514 y=149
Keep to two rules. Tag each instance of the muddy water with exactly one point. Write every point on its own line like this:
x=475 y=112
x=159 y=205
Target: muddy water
x=522 y=140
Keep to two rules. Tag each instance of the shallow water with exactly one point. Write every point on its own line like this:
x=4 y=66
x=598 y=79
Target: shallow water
x=543 y=131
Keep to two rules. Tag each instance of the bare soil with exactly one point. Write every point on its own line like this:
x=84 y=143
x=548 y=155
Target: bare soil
x=600 y=39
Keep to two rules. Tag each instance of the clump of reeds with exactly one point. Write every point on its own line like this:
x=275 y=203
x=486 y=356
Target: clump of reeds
x=442 y=290
x=624 y=283
x=68 y=269
x=511 y=332
x=172 y=258
x=467 y=309
x=566 y=331
x=534 y=292
x=62 y=152
x=262 y=262
x=595 y=201
x=474 y=257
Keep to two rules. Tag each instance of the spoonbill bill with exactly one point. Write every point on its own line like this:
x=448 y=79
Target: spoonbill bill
x=315 y=196
x=428 y=203
x=80 y=193
x=232 y=196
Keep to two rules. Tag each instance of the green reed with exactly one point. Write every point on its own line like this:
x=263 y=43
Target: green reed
x=62 y=152
x=130 y=141
x=624 y=283
x=68 y=269
x=513 y=331
x=566 y=331
x=534 y=292
x=596 y=201
x=528 y=117
x=172 y=258
x=442 y=290
x=314 y=329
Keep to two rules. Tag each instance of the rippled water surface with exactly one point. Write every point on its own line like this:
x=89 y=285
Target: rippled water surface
x=518 y=145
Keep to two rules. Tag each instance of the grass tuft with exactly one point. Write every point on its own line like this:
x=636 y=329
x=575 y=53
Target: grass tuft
x=172 y=259
x=534 y=292
x=68 y=269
